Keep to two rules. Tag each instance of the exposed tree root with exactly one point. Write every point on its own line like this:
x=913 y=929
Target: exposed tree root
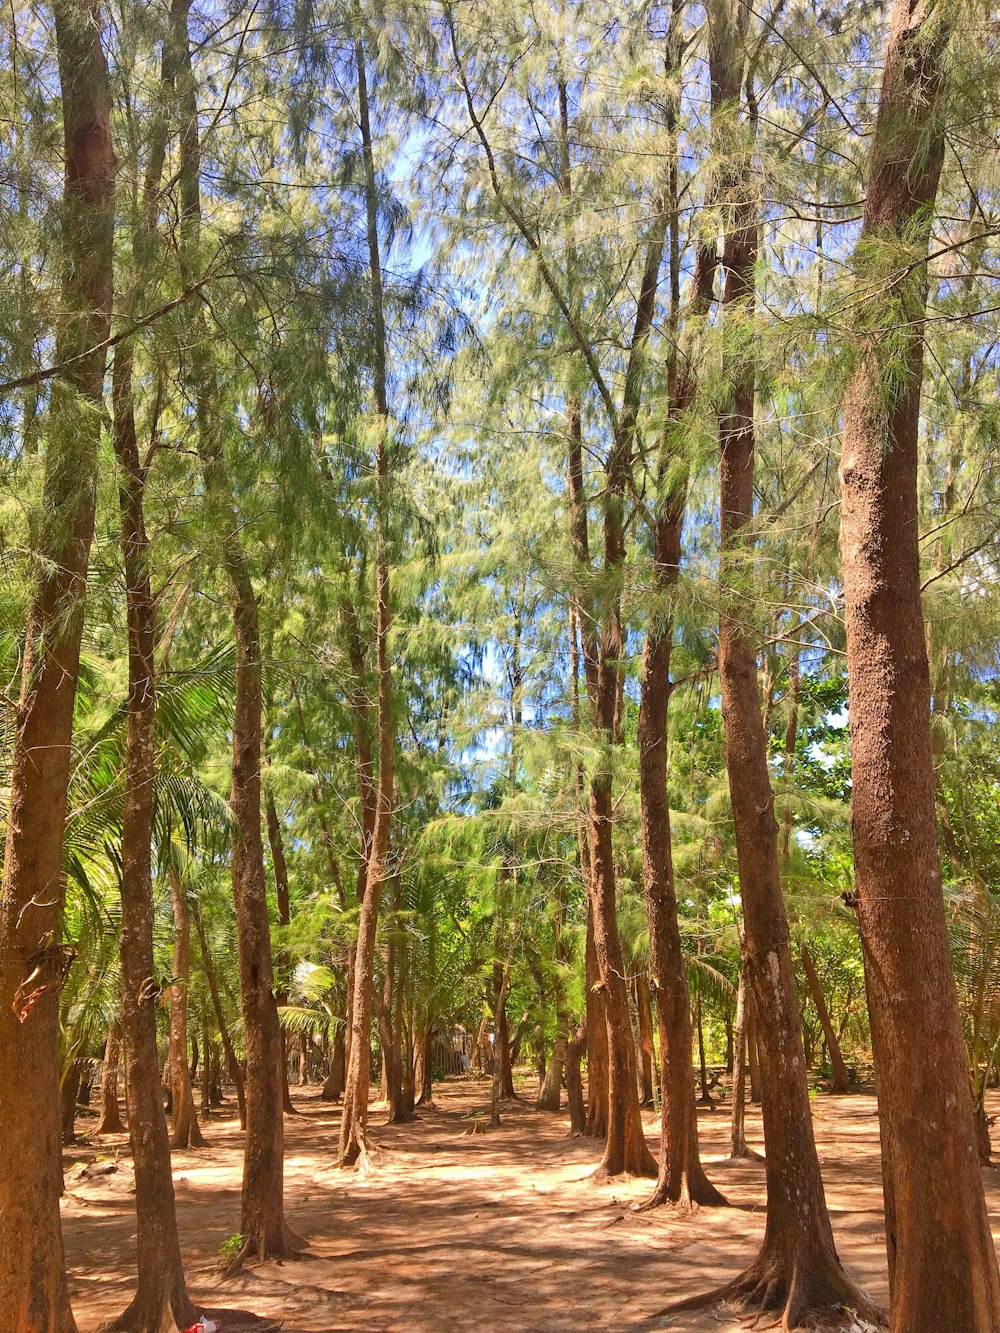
x=157 y=1314
x=691 y=1195
x=746 y=1154
x=766 y=1296
x=262 y=1248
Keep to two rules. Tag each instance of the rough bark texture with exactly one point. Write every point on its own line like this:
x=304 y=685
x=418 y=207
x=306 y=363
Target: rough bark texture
x=597 y=1044
x=186 y=1131
x=942 y=1264
x=33 y=1294
x=161 y=1303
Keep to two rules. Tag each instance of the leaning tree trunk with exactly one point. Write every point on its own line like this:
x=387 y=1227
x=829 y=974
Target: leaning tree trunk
x=283 y=903
x=186 y=1132
x=354 y=1121
x=797 y=1268
x=942 y=1263
x=110 y=1121
x=161 y=1302
x=33 y=964
x=262 y=1219
x=841 y=1081
x=597 y=1042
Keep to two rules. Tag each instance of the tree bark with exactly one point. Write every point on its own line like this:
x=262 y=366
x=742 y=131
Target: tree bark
x=33 y=964
x=186 y=1132
x=262 y=1220
x=354 y=1121
x=942 y=1263
x=597 y=1043
x=233 y=1066
x=110 y=1121
x=645 y=1047
x=161 y=1303
x=574 y=1083
x=283 y=902
x=841 y=1081
x=798 y=1268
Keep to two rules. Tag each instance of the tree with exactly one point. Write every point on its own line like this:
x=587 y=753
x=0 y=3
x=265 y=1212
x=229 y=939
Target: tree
x=33 y=962
x=942 y=1265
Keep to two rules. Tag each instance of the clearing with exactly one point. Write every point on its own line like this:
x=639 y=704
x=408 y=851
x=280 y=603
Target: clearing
x=467 y=1230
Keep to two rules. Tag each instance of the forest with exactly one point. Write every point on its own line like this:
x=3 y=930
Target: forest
x=500 y=646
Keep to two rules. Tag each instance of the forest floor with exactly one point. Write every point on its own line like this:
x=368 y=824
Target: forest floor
x=461 y=1230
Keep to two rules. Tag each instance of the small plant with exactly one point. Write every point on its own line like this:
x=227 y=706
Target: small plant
x=229 y=1249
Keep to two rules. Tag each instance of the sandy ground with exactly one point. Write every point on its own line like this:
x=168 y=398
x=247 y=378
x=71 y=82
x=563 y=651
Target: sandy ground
x=452 y=1230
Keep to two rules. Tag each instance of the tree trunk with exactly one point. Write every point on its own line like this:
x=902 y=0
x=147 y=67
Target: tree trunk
x=501 y=1035
x=738 y=1144
x=333 y=1087
x=161 y=1302
x=33 y=964
x=68 y=1091
x=550 y=1092
x=353 y=1128
x=283 y=902
x=233 y=1066
x=645 y=1049
x=110 y=1121
x=753 y=1048
x=841 y=1081
x=187 y=1132
x=797 y=1268
x=575 y=1049
x=942 y=1263
x=262 y=1220
x=597 y=1044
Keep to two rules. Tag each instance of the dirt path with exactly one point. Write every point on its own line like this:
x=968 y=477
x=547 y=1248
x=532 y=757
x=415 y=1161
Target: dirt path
x=456 y=1231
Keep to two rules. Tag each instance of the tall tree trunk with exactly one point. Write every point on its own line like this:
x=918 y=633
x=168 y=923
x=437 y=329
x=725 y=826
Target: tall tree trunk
x=233 y=1066
x=187 y=1132
x=33 y=964
x=681 y=1178
x=354 y=1121
x=110 y=1121
x=262 y=1220
x=797 y=1268
x=161 y=1302
x=841 y=1081
x=942 y=1263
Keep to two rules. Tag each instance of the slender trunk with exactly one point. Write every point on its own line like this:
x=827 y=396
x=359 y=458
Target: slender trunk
x=738 y=1144
x=645 y=1050
x=187 y=1132
x=110 y=1121
x=333 y=1087
x=353 y=1128
x=942 y=1264
x=33 y=963
x=501 y=1034
x=262 y=1220
x=841 y=1081
x=705 y=1099
x=597 y=1044
x=681 y=1178
x=206 y=1067
x=797 y=1268
x=283 y=902
x=161 y=1302
x=233 y=1065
